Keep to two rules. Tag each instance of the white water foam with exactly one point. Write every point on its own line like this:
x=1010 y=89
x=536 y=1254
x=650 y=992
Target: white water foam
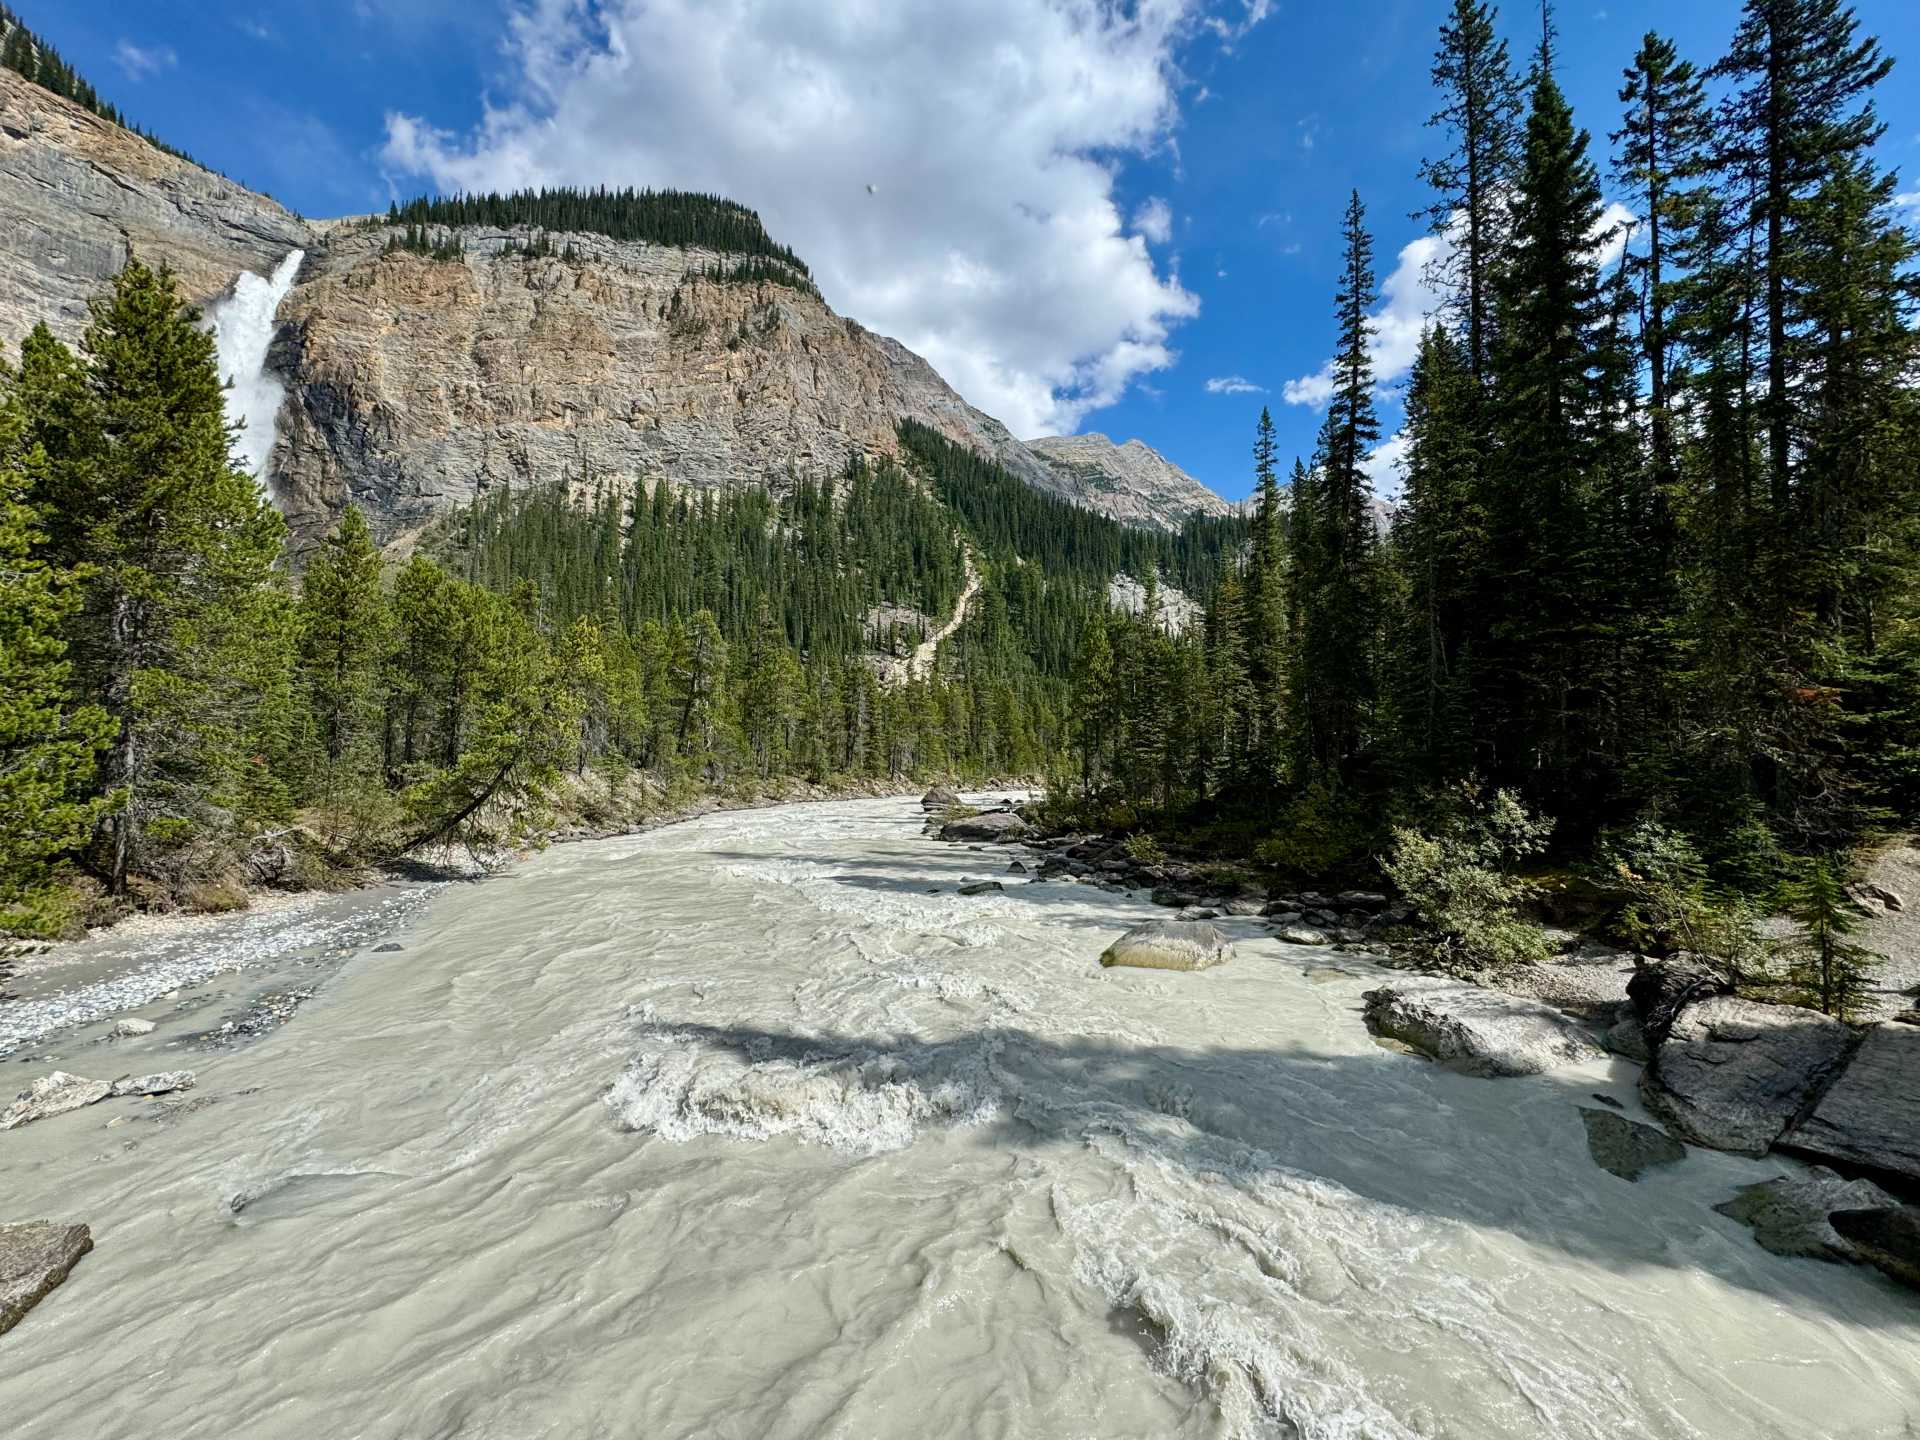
x=243 y=324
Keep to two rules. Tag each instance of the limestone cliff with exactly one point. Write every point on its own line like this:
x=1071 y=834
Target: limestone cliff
x=412 y=382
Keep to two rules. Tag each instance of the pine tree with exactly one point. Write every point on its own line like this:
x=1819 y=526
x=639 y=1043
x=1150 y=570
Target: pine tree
x=1480 y=109
x=1663 y=142
x=49 y=743
x=181 y=634
x=1831 y=968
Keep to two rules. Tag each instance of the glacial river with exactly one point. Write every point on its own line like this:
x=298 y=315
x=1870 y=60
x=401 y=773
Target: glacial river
x=734 y=1129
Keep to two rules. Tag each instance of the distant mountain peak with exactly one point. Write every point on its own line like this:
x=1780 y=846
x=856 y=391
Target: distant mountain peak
x=1130 y=481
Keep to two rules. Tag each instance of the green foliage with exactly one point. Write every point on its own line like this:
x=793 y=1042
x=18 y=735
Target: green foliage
x=1669 y=903
x=1323 y=830
x=1143 y=849
x=435 y=244
x=657 y=217
x=1826 y=965
x=1461 y=875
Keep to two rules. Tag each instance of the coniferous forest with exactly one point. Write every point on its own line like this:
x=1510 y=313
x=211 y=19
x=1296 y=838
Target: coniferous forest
x=1647 y=613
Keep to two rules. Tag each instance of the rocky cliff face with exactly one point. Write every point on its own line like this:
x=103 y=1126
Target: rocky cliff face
x=413 y=382
x=1131 y=482
x=78 y=192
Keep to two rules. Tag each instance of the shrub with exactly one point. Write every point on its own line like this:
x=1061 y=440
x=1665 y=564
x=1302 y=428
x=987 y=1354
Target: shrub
x=1322 y=831
x=1461 y=879
x=1143 y=849
x=1669 y=904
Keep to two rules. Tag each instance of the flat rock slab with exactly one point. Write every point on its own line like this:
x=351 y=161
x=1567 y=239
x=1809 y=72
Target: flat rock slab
x=54 y=1094
x=1625 y=1147
x=1732 y=1074
x=1475 y=1031
x=1301 y=935
x=35 y=1256
x=1170 y=945
x=1789 y=1215
x=1887 y=1237
x=162 y=1083
x=995 y=825
x=1871 y=1115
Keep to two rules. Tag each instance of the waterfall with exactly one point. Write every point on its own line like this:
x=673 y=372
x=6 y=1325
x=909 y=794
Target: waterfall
x=242 y=324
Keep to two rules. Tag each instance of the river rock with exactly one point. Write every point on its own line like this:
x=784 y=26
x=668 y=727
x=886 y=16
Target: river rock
x=1361 y=900
x=1732 y=1074
x=1625 y=1147
x=1658 y=992
x=1870 y=1116
x=981 y=887
x=54 y=1094
x=1789 y=1214
x=1475 y=1031
x=939 y=798
x=1627 y=1038
x=35 y=1257
x=1300 y=934
x=160 y=1083
x=995 y=825
x=1170 y=945
x=129 y=1027
x=1887 y=1236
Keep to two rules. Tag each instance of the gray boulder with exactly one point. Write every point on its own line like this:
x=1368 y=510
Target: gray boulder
x=981 y=887
x=1658 y=992
x=1297 y=933
x=1789 y=1214
x=939 y=798
x=995 y=825
x=130 y=1026
x=1170 y=945
x=160 y=1083
x=1627 y=1038
x=1475 y=1031
x=35 y=1257
x=1361 y=900
x=1870 y=1116
x=1625 y=1147
x=1887 y=1236
x=1732 y=1074
x=53 y=1094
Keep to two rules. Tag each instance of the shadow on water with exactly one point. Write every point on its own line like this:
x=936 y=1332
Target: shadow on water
x=1389 y=1128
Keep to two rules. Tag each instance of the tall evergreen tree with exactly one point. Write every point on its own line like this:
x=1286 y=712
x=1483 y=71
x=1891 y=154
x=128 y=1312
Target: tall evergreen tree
x=1479 y=112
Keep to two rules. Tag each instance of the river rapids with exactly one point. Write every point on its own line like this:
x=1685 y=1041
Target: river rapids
x=737 y=1129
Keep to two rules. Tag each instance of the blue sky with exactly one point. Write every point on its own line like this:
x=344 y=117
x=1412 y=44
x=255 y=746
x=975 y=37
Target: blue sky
x=1082 y=215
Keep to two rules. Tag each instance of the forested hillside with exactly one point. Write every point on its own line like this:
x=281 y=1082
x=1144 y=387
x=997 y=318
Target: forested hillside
x=1656 y=575
x=27 y=54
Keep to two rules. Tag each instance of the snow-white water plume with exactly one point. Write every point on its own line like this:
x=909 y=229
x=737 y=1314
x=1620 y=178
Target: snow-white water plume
x=243 y=324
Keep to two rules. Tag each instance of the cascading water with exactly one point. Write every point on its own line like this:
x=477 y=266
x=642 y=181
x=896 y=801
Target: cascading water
x=242 y=334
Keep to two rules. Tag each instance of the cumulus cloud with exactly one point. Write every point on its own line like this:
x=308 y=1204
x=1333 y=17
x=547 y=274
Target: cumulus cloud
x=141 y=61
x=1909 y=199
x=1154 y=220
x=1408 y=302
x=992 y=244
x=1234 y=385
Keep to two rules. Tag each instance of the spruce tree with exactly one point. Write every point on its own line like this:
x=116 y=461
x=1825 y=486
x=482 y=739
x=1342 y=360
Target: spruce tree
x=1479 y=113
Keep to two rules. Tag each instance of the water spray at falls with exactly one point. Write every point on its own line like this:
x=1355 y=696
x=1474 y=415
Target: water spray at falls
x=243 y=325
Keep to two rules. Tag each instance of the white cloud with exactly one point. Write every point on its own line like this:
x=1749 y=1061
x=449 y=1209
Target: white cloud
x=1234 y=385
x=1910 y=199
x=994 y=245
x=1407 y=302
x=1154 y=220
x=1386 y=466
x=140 y=62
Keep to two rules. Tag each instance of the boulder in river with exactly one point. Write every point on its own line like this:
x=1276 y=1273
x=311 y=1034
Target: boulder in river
x=1885 y=1236
x=1625 y=1147
x=981 y=887
x=1170 y=945
x=995 y=825
x=1298 y=933
x=1789 y=1214
x=1732 y=1074
x=160 y=1083
x=35 y=1257
x=1870 y=1116
x=53 y=1094
x=130 y=1026
x=1658 y=992
x=1476 y=1031
x=1627 y=1038
x=939 y=798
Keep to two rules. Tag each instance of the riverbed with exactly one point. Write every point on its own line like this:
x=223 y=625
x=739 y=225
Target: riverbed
x=753 y=1126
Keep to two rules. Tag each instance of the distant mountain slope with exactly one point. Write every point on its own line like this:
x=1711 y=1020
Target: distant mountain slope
x=1131 y=482
x=516 y=355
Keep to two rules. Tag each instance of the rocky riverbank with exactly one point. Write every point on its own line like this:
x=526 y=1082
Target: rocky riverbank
x=1717 y=1070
